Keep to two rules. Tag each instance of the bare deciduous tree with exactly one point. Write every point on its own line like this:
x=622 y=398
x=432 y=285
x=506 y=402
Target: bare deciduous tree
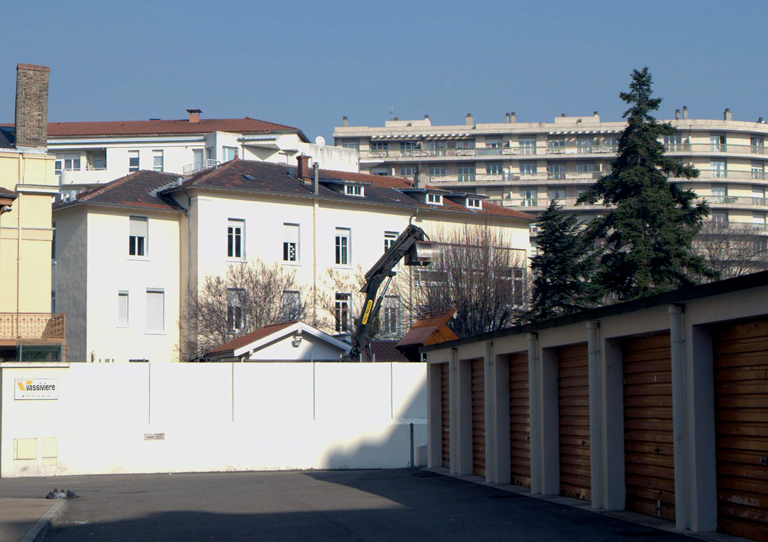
x=250 y=296
x=479 y=274
x=732 y=249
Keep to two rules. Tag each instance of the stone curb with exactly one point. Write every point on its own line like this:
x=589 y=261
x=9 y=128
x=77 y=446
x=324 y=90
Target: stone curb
x=38 y=532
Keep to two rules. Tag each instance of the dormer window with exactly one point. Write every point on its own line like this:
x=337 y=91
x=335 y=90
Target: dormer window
x=434 y=199
x=354 y=190
x=474 y=203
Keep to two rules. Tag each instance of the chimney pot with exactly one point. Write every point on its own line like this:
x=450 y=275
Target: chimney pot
x=677 y=114
x=563 y=114
x=727 y=114
x=595 y=114
x=513 y=117
x=685 y=112
x=508 y=119
x=194 y=114
x=426 y=117
x=760 y=120
x=344 y=121
x=470 y=119
x=32 y=106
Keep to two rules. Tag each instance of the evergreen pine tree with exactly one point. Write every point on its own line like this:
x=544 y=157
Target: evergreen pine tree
x=563 y=267
x=648 y=232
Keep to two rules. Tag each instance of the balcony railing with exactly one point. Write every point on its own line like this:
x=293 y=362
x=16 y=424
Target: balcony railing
x=550 y=177
x=195 y=167
x=31 y=325
x=714 y=148
x=730 y=174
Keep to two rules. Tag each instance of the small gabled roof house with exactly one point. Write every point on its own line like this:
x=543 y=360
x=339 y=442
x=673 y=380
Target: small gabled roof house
x=287 y=341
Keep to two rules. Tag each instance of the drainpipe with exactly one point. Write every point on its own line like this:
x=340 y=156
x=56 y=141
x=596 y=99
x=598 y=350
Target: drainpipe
x=595 y=425
x=678 y=416
x=316 y=168
x=535 y=412
x=18 y=248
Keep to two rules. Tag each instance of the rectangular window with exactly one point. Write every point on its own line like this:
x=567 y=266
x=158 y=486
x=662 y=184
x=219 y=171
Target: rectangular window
x=493 y=169
x=351 y=144
x=157 y=160
x=133 y=161
x=197 y=157
x=758 y=219
x=718 y=142
x=390 y=316
x=529 y=197
x=528 y=168
x=465 y=172
x=719 y=168
x=290 y=243
x=228 y=153
x=291 y=305
x=437 y=170
x=556 y=171
x=719 y=191
x=353 y=190
x=585 y=167
x=66 y=162
x=379 y=146
x=434 y=199
x=518 y=286
x=758 y=170
x=235 y=239
x=556 y=145
x=465 y=144
x=235 y=308
x=155 y=311
x=758 y=144
x=343 y=246
x=556 y=194
x=673 y=143
x=137 y=236
x=720 y=217
x=474 y=203
x=122 y=309
x=407 y=171
x=584 y=144
x=527 y=146
x=341 y=312
x=389 y=239
x=758 y=195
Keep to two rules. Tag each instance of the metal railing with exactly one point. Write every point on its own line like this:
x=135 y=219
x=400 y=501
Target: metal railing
x=709 y=148
x=195 y=167
x=484 y=178
x=32 y=325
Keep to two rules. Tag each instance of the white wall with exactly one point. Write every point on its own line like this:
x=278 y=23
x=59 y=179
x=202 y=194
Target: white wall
x=215 y=417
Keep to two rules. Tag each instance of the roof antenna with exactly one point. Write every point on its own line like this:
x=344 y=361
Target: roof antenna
x=391 y=111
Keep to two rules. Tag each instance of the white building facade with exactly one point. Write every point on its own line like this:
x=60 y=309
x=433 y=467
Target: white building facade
x=127 y=253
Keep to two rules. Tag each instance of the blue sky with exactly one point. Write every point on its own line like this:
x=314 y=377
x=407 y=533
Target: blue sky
x=307 y=64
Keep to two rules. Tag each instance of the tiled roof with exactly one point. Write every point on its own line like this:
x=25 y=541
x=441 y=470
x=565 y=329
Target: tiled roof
x=4 y=192
x=430 y=329
x=6 y=138
x=385 y=351
x=137 y=190
x=164 y=127
x=267 y=177
x=251 y=337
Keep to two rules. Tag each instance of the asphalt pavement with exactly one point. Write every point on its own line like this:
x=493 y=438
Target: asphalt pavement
x=402 y=505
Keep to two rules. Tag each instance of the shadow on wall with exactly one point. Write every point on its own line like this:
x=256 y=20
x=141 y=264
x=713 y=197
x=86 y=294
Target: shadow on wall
x=396 y=447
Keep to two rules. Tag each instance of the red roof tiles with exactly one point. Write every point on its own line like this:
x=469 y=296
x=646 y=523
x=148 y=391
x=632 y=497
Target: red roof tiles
x=253 y=336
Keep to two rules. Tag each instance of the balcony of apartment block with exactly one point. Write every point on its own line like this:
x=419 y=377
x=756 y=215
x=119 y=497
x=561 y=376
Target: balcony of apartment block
x=735 y=149
x=32 y=337
x=731 y=176
x=87 y=175
x=479 y=179
x=743 y=202
x=541 y=204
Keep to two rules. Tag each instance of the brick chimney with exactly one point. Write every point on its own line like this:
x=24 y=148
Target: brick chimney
x=32 y=106
x=194 y=114
x=302 y=172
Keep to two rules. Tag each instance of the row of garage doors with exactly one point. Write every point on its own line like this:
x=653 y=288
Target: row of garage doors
x=741 y=421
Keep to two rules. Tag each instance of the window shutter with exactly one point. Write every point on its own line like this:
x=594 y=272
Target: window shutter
x=291 y=242
x=155 y=311
x=122 y=309
x=138 y=226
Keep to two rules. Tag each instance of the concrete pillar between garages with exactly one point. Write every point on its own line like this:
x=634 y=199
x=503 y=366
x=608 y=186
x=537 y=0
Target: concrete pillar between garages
x=549 y=422
x=595 y=418
x=489 y=385
x=678 y=416
x=434 y=421
x=534 y=398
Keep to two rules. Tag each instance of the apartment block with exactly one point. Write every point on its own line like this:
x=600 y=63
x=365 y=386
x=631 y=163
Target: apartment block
x=526 y=165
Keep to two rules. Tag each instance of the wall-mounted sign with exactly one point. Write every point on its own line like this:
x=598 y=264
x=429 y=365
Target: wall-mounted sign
x=45 y=389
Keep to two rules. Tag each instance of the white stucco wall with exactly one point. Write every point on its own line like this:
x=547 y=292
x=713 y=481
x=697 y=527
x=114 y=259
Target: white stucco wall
x=215 y=417
x=70 y=277
x=308 y=348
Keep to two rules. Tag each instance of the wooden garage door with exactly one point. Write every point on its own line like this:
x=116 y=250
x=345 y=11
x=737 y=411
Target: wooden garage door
x=478 y=418
x=741 y=421
x=519 y=420
x=445 y=414
x=649 y=460
x=573 y=395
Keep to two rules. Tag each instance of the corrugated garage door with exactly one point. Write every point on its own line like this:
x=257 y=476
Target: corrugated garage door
x=573 y=395
x=478 y=418
x=519 y=420
x=648 y=442
x=445 y=414
x=741 y=418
